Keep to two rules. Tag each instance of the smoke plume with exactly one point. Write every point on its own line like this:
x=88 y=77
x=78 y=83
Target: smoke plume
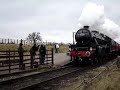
x=93 y=15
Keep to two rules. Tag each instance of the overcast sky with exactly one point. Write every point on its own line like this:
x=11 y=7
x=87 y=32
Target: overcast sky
x=54 y=19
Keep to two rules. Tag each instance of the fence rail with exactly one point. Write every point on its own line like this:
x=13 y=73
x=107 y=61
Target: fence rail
x=9 y=60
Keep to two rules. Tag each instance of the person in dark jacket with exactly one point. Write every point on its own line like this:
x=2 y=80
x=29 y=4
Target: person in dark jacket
x=20 y=52
x=32 y=53
x=42 y=52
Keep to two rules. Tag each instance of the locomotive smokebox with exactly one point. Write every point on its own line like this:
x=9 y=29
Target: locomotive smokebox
x=83 y=36
x=86 y=27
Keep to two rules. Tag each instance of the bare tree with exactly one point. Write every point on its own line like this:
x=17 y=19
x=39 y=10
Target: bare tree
x=35 y=37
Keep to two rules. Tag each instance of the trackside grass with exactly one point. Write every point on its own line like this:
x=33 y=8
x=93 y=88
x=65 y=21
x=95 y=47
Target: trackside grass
x=108 y=81
x=62 y=49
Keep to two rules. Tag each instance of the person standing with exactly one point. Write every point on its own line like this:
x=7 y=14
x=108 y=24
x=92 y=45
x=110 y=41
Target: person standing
x=42 y=52
x=57 y=48
x=32 y=54
x=20 y=52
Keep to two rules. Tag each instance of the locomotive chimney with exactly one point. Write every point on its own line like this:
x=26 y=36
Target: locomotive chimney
x=86 y=27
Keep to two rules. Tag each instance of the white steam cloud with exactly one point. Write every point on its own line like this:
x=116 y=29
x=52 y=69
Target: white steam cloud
x=93 y=15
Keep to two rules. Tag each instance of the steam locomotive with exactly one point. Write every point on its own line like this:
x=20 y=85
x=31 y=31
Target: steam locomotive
x=92 y=47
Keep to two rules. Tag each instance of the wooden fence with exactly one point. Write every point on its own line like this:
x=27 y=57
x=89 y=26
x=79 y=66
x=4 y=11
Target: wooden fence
x=9 y=60
x=13 y=41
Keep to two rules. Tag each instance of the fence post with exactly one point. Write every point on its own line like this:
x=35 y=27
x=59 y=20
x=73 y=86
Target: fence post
x=8 y=41
x=52 y=57
x=14 y=41
x=2 y=41
x=5 y=41
x=9 y=61
x=17 y=41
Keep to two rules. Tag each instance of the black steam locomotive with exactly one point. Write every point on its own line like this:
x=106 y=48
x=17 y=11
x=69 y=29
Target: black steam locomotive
x=92 y=47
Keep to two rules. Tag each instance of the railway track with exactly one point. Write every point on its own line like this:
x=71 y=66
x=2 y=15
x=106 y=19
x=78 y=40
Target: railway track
x=28 y=80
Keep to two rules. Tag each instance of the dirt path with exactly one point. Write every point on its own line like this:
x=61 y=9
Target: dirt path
x=61 y=59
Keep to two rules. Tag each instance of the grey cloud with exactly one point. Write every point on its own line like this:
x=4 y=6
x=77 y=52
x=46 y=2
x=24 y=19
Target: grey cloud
x=54 y=19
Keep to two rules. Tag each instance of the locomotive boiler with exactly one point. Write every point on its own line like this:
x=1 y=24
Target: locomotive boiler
x=92 y=47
